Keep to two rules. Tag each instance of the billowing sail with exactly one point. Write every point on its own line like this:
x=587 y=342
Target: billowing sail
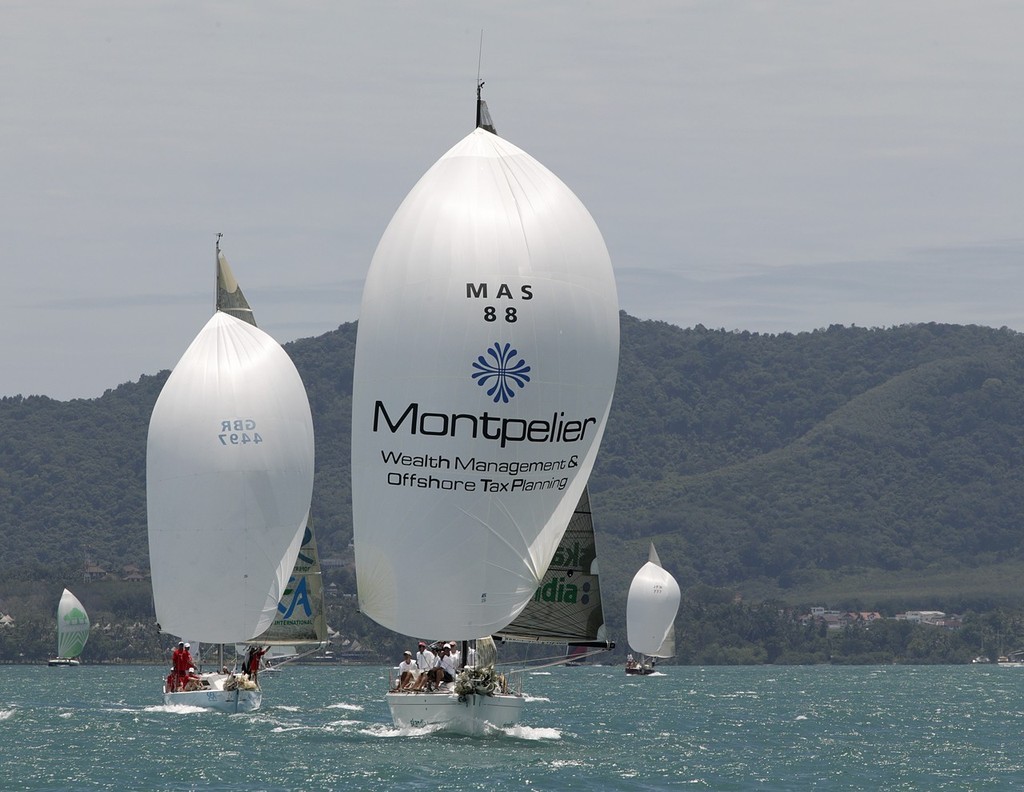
x=651 y=607
x=72 y=626
x=566 y=608
x=485 y=364
x=229 y=479
x=300 y=620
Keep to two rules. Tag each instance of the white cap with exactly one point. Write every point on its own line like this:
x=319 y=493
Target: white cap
x=188 y=646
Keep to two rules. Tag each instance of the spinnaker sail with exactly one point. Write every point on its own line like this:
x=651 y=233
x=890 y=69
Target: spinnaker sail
x=72 y=626
x=485 y=364
x=651 y=607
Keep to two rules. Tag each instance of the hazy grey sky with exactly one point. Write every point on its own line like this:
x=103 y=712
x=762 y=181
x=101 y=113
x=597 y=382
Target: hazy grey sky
x=765 y=166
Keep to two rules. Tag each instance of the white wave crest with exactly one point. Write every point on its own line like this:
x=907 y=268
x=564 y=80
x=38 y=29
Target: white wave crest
x=383 y=730
x=176 y=709
x=520 y=732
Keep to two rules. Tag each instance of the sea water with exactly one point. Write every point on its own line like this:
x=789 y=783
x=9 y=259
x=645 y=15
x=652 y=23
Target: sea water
x=585 y=728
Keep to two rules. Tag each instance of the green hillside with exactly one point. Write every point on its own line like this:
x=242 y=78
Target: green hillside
x=844 y=465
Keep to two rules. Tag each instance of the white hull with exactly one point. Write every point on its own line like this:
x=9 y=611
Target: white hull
x=64 y=661
x=473 y=715
x=215 y=697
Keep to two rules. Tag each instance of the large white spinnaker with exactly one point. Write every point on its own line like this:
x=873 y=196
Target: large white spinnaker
x=229 y=479
x=651 y=607
x=485 y=365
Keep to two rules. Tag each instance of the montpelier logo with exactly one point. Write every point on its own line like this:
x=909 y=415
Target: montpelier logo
x=501 y=372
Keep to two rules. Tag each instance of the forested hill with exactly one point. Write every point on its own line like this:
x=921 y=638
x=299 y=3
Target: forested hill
x=846 y=461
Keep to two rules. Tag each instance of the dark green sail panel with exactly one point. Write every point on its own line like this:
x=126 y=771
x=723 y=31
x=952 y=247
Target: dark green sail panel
x=566 y=607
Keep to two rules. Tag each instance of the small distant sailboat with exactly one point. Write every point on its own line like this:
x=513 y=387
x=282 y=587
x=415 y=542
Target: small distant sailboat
x=486 y=360
x=229 y=480
x=72 y=630
x=651 y=608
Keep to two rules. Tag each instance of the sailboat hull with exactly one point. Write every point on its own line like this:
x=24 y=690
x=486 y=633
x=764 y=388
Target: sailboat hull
x=215 y=697
x=473 y=715
x=217 y=700
x=64 y=662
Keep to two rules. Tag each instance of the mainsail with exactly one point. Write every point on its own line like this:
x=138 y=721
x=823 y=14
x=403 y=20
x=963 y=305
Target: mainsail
x=301 y=621
x=651 y=607
x=72 y=626
x=485 y=364
x=229 y=479
x=566 y=607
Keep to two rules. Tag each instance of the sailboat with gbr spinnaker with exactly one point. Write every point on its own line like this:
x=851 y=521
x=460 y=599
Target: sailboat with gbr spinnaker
x=486 y=359
x=229 y=480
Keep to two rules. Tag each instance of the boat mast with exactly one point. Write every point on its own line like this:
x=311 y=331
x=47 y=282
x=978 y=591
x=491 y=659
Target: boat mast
x=483 y=116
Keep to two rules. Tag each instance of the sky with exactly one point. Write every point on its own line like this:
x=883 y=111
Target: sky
x=753 y=165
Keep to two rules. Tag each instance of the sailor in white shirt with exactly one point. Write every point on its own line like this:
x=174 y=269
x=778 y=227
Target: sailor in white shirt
x=426 y=661
x=446 y=669
x=407 y=672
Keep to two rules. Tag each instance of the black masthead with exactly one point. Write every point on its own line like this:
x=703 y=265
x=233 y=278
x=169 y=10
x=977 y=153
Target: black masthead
x=483 y=116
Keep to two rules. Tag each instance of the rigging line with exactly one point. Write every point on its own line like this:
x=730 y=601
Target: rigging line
x=480 y=57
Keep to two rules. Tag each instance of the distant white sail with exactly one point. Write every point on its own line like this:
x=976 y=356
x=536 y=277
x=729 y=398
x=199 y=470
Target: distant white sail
x=485 y=365
x=229 y=478
x=72 y=626
x=651 y=608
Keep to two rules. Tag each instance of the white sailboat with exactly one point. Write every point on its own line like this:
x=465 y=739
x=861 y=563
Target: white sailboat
x=72 y=630
x=651 y=608
x=485 y=364
x=229 y=479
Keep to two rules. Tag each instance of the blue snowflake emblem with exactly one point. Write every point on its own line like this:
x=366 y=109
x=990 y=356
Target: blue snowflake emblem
x=501 y=372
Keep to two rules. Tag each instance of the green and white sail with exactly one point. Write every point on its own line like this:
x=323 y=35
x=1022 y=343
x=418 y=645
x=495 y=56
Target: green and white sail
x=301 y=620
x=72 y=626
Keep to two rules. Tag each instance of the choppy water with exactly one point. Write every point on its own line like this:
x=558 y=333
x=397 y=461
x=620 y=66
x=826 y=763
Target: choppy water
x=325 y=728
